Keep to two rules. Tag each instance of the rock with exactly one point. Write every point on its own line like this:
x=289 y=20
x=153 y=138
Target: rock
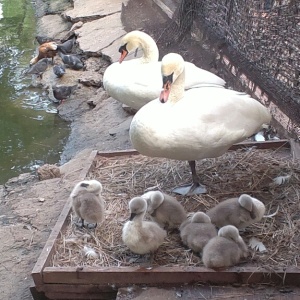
x=91 y=9
x=76 y=26
x=21 y=179
x=58 y=6
x=52 y=26
x=48 y=171
x=90 y=78
x=95 y=36
x=129 y=109
x=124 y=126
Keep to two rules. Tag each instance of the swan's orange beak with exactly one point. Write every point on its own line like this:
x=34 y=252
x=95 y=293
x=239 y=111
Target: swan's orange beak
x=123 y=55
x=164 y=95
x=123 y=52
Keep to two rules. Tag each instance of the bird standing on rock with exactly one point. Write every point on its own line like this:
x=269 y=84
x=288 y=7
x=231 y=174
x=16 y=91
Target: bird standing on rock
x=46 y=50
x=67 y=46
x=61 y=93
x=39 y=68
x=59 y=70
x=71 y=61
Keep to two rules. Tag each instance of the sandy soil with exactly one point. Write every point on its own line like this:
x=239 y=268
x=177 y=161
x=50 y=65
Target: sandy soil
x=28 y=207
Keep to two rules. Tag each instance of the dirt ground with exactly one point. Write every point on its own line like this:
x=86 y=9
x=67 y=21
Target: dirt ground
x=28 y=207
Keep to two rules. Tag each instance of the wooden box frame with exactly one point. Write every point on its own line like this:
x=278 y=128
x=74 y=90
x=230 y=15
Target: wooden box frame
x=103 y=282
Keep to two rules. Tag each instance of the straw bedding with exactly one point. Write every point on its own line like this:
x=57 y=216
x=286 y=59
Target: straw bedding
x=243 y=171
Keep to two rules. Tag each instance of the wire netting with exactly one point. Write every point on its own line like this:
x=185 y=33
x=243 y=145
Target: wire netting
x=263 y=37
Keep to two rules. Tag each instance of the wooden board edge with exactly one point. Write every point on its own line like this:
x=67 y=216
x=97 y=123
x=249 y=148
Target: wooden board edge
x=295 y=149
x=120 y=276
x=274 y=144
x=45 y=256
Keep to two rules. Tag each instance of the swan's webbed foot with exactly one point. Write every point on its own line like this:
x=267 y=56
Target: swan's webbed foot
x=91 y=226
x=191 y=189
x=88 y=226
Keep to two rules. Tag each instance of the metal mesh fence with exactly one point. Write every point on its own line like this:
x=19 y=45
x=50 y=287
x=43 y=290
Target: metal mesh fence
x=263 y=37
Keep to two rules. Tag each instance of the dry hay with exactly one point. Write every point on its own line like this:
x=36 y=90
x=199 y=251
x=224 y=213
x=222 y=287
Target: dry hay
x=244 y=171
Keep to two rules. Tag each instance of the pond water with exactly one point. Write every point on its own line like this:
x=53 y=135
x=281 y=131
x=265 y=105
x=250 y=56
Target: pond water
x=29 y=134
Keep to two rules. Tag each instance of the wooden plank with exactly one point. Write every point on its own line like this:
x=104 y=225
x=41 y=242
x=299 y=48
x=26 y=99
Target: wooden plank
x=209 y=292
x=168 y=275
x=295 y=149
x=118 y=153
x=37 y=295
x=73 y=296
x=79 y=288
x=48 y=249
x=262 y=145
x=259 y=145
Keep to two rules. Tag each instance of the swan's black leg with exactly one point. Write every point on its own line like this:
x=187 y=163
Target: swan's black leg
x=195 y=188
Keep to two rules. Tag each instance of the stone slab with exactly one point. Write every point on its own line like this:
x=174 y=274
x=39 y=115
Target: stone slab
x=99 y=34
x=85 y=9
x=53 y=26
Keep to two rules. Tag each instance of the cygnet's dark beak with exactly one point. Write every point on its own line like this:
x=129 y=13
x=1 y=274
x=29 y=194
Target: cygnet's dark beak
x=84 y=184
x=132 y=216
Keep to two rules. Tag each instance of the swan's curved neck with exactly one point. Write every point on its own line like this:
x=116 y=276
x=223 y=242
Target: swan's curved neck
x=177 y=89
x=139 y=218
x=150 y=50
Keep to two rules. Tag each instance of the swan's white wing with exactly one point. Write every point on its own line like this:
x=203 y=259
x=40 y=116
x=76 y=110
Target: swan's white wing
x=205 y=123
x=197 y=77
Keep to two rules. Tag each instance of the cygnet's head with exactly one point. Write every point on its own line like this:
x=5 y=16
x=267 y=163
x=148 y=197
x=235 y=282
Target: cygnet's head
x=92 y=186
x=137 y=206
x=200 y=217
x=230 y=232
x=254 y=206
x=154 y=200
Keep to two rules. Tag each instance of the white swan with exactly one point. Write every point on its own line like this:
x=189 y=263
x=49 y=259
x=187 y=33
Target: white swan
x=194 y=124
x=136 y=82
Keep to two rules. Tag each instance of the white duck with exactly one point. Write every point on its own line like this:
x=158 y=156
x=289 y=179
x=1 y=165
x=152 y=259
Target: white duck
x=137 y=81
x=194 y=124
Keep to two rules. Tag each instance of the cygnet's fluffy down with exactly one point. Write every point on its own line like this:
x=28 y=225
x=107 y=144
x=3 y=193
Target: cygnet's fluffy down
x=196 y=231
x=239 y=212
x=224 y=250
x=164 y=209
x=141 y=236
x=87 y=201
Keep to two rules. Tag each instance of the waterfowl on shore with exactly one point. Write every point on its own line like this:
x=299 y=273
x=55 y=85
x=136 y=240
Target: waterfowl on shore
x=87 y=202
x=224 y=250
x=140 y=236
x=194 y=124
x=71 y=61
x=240 y=212
x=136 y=82
x=59 y=70
x=67 y=46
x=46 y=50
x=196 y=231
x=164 y=209
x=62 y=92
x=39 y=68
